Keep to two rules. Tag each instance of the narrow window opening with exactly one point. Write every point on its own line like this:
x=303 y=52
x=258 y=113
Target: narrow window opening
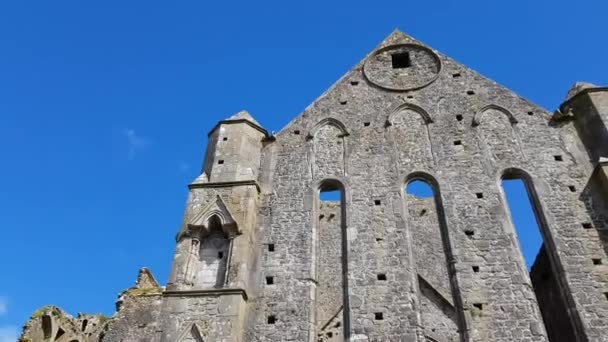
x=221 y=161
x=271 y=247
x=83 y=327
x=47 y=327
x=479 y=195
x=587 y=225
x=456 y=75
x=332 y=257
x=410 y=96
x=470 y=92
x=377 y=202
x=381 y=276
x=597 y=261
x=401 y=60
x=366 y=124
x=379 y=239
x=459 y=117
x=457 y=142
x=220 y=255
x=476 y=269
x=526 y=217
x=296 y=132
x=606 y=294
x=269 y=280
x=271 y=319
x=558 y=158
x=378 y=316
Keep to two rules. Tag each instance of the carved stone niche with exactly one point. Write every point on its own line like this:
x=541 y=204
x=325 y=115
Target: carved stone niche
x=211 y=232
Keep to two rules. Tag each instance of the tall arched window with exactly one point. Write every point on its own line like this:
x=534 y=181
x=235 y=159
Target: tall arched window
x=530 y=226
x=213 y=256
x=441 y=316
x=331 y=264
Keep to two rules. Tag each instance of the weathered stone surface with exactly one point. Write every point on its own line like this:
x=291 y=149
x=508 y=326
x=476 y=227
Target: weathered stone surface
x=258 y=257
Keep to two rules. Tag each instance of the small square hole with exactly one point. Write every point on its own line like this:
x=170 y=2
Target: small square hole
x=478 y=306
x=220 y=255
x=558 y=158
x=271 y=247
x=469 y=232
x=530 y=113
x=479 y=195
x=457 y=142
x=329 y=334
x=225 y=139
x=456 y=75
x=354 y=83
x=401 y=60
x=379 y=239
x=321 y=216
x=587 y=225
x=459 y=117
x=221 y=161
x=597 y=261
x=272 y=319
x=378 y=316
x=381 y=276
x=269 y=280
x=296 y=132
x=476 y=269
x=470 y=92
x=377 y=202
x=572 y=188
x=410 y=96
x=366 y=124
x=342 y=102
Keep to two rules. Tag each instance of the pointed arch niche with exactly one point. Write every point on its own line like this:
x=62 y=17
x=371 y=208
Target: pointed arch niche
x=331 y=263
x=210 y=236
x=329 y=148
x=410 y=134
x=441 y=311
x=537 y=249
x=496 y=130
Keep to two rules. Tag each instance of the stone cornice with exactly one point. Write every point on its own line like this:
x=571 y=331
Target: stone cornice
x=207 y=293
x=580 y=93
x=224 y=184
x=238 y=121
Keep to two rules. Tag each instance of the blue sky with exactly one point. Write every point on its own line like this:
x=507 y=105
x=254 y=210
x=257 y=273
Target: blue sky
x=104 y=109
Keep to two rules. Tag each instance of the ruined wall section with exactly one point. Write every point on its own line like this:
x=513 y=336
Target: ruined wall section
x=468 y=159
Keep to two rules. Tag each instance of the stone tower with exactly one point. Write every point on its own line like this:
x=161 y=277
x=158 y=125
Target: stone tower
x=262 y=255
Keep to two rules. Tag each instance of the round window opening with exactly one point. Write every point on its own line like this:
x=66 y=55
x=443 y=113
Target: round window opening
x=402 y=67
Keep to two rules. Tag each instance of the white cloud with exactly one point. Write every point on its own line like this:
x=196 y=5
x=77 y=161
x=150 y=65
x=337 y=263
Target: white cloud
x=136 y=142
x=8 y=333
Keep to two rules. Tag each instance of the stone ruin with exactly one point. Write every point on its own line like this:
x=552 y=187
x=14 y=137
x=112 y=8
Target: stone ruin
x=261 y=256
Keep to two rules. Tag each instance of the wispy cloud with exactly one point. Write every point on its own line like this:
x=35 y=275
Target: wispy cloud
x=184 y=167
x=136 y=143
x=3 y=306
x=8 y=333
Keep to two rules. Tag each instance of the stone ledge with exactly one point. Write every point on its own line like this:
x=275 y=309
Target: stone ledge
x=224 y=184
x=563 y=106
x=207 y=293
